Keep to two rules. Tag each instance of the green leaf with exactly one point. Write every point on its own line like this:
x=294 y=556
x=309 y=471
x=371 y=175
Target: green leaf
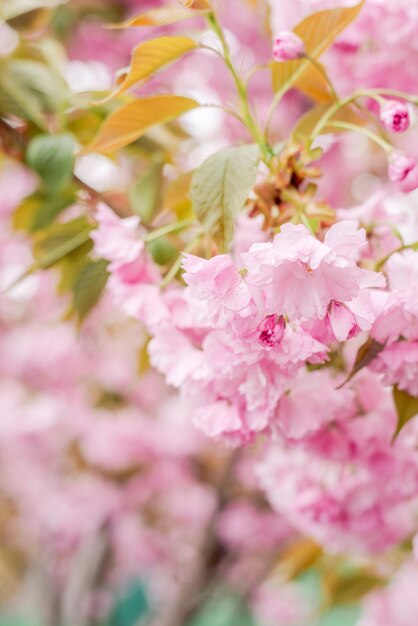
x=52 y=157
x=40 y=209
x=406 y=408
x=223 y=609
x=58 y=241
x=16 y=97
x=88 y=286
x=351 y=587
x=146 y=196
x=340 y=616
x=318 y=32
x=131 y=607
x=67 y=247
x=29 y=90
x=162 y=250
x=220 y=187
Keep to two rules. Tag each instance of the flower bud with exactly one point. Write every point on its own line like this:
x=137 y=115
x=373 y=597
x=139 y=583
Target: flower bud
x=395 y=116
x=341 y=321
x=271 y=330
x=288 y=46
x=400 y=165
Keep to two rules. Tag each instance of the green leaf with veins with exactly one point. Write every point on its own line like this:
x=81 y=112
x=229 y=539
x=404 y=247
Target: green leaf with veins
x=220 y=188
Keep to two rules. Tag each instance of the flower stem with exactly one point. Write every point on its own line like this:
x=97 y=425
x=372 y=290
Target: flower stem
x=329 y=113
x=242 y=91
x=166 y=230
x=177 y=263
x=408 y=246
x=375 y=94
x=387 y=147
x=276 y=100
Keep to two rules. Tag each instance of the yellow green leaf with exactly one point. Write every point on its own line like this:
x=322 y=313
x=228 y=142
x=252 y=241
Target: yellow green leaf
x=152 y=55
x=143 y=358
x=58 y=241
x=134 y=119
x=352 y=587
x=318 y=32
x=156 y=17
x=176 y=197
x=406 y=408
x=40 y=209
x=145 y=196
x=88 y=286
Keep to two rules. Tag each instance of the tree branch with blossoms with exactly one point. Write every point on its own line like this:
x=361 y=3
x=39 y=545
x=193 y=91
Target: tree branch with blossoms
x=226 y=240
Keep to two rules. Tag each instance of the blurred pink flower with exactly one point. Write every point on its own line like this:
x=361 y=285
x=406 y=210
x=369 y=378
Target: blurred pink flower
x=288 y=46
x=400 y=166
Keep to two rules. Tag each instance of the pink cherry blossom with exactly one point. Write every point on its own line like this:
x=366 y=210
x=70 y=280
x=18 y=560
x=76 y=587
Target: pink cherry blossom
x=399 y=365
x=365 y=509
x=115 y=239
x=300 y=275
x=217 y=284
x=296 y=416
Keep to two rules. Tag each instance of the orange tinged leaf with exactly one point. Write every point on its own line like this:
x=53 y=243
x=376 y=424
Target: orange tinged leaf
x=318 y=32
x=197 y=5
x=156 y=17
x=151 y=56
x=313 y=84
x=133 y=120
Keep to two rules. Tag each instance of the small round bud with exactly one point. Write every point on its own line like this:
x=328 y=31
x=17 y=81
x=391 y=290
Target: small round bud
x=395 y=116
x=288 y=46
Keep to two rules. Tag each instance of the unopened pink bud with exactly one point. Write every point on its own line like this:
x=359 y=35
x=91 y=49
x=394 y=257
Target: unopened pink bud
x=341 y=321
x=288 y=46
x=271 y=330
x=395 y=116
x=400 y=165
